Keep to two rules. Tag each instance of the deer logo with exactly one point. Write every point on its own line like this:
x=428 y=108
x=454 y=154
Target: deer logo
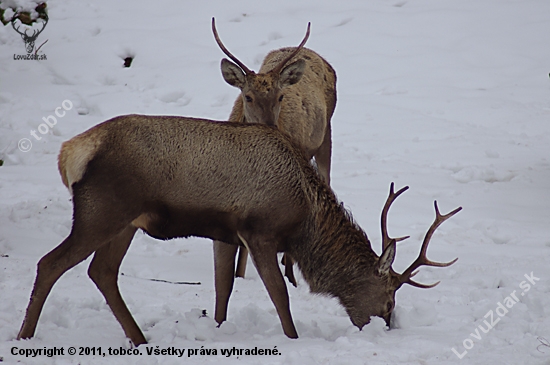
x=29 y=39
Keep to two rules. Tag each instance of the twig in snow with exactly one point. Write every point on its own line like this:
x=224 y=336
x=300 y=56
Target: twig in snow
x=166 y=281
x=543 y=342
x=36 y=52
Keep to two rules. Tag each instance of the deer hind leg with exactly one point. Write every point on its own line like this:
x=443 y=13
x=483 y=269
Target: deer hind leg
x=264 y=256
x=224 y=270
x=104 y=271
x=241 y=262
x=81 y=243
x=323 y=155
x=96 y=220
x=49 y=269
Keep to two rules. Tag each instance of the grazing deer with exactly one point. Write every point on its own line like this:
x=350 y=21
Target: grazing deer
x=294 y=91
x=242 y=184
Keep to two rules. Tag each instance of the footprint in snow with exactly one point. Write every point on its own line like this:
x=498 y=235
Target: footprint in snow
x=177 y=97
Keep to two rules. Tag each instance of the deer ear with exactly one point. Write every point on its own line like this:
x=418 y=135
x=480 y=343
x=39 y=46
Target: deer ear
x=232 y=74
x=386 y=260
x=292 y=73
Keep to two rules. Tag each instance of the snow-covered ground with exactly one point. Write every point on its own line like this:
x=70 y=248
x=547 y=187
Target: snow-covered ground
x=449 y=97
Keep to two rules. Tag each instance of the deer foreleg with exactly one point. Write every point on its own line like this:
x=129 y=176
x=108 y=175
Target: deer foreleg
x=241 y=262
x=264 y=255
x=289 y=273
x=224 y=271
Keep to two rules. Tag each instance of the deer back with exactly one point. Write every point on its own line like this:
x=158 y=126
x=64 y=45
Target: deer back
x=197 y=177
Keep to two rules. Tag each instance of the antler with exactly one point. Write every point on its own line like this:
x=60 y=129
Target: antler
x=35 y=33
x=44 y=26
x=405 y=277
x=277 y=68
x=29 y=39
x=386 y=240
x=24 y=34
x=229 y=54
x=280 y=66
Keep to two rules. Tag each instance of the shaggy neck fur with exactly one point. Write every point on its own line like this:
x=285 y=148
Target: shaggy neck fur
x=334 y=254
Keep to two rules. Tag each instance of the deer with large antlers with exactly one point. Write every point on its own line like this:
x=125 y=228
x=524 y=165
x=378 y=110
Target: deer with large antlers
x=294 y=91
x=244 y=184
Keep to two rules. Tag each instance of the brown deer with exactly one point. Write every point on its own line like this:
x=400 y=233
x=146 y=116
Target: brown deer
x=244 y=184
x=294 y=91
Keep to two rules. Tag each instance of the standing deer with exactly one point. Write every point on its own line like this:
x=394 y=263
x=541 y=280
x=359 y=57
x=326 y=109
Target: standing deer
x=242 y=184
x=294 y=91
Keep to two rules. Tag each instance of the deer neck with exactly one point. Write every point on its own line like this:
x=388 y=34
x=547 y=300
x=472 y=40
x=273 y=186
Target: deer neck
x=335 y=252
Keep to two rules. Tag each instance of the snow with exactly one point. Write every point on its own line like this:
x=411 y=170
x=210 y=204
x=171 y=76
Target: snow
x=448 y=97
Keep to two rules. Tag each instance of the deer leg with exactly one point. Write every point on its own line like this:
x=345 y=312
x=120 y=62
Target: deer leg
x=289 y=273
x=104 y=273
x=95 y=222
x=264 y=256
x=323 y=155
x=73 y=250
x=224 y=271
x=49 y=269
x=241 y=262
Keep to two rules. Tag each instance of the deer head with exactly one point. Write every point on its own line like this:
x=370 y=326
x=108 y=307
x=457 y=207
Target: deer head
x=30 y=39
x=262 y=93
x=380 y=285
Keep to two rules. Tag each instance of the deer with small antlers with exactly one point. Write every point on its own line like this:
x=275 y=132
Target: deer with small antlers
x=294 y=91
x=243 y=184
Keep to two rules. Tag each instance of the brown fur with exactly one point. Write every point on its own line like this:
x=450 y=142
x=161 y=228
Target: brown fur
x=309 y=99
x=308 y=105
x=75 y=155
x=238 y=183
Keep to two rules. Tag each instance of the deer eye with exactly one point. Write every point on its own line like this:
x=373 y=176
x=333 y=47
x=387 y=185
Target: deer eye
x=281 y=98
x=248 y=99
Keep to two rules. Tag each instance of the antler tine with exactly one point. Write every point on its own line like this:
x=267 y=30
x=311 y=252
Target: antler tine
x=281 y=64
x=423 y=286
x=229 y=54
x=13 y=25
x=43 y=26
x=422 y=259
x=35 y=33
x=384 y=216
